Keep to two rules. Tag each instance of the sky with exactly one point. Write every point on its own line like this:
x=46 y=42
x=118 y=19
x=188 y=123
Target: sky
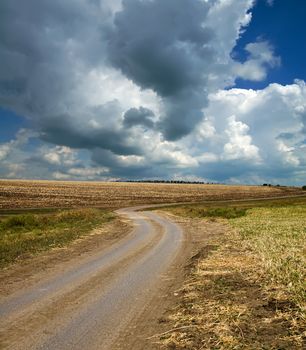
x=196 y=90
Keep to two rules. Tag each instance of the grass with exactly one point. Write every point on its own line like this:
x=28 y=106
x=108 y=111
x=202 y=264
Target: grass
x=222 y=212
x=249 y=292
x=26 y=234
x=277 y=236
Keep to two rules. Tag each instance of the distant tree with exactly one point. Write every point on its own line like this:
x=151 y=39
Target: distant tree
x=304 y=188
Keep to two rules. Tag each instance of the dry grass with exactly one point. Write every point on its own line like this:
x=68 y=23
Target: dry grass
x=249 y=291
x=45 y=194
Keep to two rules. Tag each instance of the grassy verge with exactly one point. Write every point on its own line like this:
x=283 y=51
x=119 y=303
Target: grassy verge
x=25 y=234
x=277 y=237
x=249 y=292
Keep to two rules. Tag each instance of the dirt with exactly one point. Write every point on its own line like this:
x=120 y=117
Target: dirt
x=142 y=330
x=32 y=269
x=58 y=316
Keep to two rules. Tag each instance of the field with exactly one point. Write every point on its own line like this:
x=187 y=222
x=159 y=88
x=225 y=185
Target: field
x=243 y=286
x=247 y=291
x=16 y=194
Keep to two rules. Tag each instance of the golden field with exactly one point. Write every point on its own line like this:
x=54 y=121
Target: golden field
x=15 y=194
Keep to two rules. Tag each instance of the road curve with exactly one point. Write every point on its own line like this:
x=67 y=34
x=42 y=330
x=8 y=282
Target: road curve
x=90 y=304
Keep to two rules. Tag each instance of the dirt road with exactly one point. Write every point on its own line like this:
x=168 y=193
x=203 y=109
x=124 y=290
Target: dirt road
x=104 y=301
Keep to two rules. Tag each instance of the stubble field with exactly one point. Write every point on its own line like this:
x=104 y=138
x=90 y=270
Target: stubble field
x=15 y=194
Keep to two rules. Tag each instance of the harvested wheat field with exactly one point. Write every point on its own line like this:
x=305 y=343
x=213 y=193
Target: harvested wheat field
x=16 y=194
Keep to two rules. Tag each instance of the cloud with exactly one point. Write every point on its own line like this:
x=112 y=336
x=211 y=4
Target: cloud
x=172 y=58
x=12 y=154
x=166 y=57
x=144 y=88
x=75 y=68
x=92 y=173
x=59 y=155
x=264 y=134
x=22 y=160
x=4 y=151
x=240 y=143
x=139 y=116
x=229 y=19
x=260 y=58
x=22 y=138
x=246 y=136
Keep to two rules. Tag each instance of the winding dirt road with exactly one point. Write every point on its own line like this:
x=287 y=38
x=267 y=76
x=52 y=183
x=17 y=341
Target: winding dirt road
x=100 y=302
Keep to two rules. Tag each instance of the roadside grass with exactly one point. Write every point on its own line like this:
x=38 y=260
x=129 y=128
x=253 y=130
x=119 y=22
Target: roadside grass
x=249 y=292
x=28 y=233
x=187 y=208
x=278 y=238
x=202 y=212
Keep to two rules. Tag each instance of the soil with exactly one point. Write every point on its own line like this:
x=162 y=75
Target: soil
x=139 y=332
x=32 y=269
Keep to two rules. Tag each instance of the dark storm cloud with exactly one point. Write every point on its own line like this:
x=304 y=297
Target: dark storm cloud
x=182 y=113
x=128 y=171
x=138 y=116
x=62 y=130
x=164 y=46
x=223 y=171
x=156 y=43
x=37 y=73
x=108 y=159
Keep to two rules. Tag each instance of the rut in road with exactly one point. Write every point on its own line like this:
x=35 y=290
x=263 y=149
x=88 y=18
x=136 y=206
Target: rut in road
x=88 y=306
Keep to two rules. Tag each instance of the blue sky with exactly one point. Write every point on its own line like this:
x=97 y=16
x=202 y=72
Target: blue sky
x=283 y=25
x=10 y=124
x=169 y=89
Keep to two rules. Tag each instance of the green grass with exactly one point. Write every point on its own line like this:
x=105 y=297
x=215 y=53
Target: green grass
x=246 y=204
x=26 y=234
x=222 y=212
x=277 y=235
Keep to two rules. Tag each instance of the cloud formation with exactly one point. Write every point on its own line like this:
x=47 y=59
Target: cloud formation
x=260 y=57
x=165 y=46
x=144 y=88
